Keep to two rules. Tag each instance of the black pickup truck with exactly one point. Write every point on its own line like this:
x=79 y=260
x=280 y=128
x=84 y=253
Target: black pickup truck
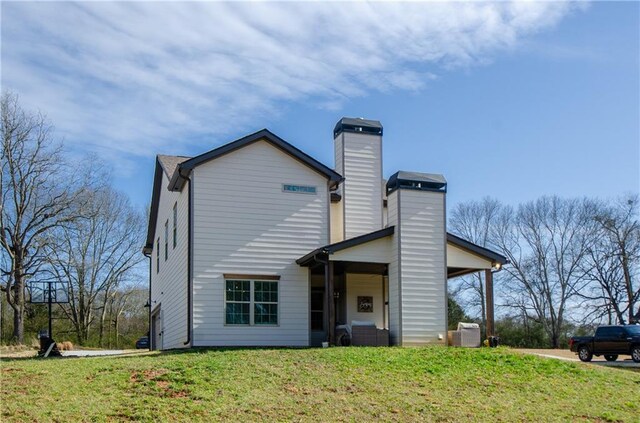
x=609 y=341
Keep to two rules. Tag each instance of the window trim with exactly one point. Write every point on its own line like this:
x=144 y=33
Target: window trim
x=175 y=224
x=252 y=279
x=166 y=240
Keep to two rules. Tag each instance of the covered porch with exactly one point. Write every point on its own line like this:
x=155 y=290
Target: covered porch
x=348 y=281
x=465 y=257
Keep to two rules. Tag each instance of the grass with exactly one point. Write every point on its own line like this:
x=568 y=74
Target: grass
x=335 y=384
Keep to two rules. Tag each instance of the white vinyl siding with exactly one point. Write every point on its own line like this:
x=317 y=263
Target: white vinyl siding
x=362 y=190
x=457 y=257
x=337 y=229
x=169 y=284
x=245 y=223
x=423 y=271
x=376 y=251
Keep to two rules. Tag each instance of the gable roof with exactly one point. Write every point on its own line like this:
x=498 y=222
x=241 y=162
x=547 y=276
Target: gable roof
x=177 y=169
x=476 y=249
x=309 y=259
x=182 y=171
x=170 y=163
x=153 y=213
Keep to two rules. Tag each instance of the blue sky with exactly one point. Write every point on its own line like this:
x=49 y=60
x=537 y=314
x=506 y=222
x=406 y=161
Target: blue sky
x=509 y=100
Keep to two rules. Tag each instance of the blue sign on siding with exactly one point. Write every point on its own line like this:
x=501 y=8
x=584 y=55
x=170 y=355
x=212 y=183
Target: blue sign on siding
x=300 y=189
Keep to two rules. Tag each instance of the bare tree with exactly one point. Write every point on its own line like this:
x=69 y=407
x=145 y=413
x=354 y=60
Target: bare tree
x=38 y=195
x=96 y=255
x=546 y=242
x=476 y=222
x=613 y=261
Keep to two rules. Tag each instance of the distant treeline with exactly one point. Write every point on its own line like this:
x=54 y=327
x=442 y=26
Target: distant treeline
x=573 y=264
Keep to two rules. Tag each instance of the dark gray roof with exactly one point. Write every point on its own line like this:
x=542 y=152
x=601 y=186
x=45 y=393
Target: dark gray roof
x=170 y=163
x=417 y=180
x=476 y=249
x=179 y=176
x=419 y=177
x=359 y=125
x=309 y=258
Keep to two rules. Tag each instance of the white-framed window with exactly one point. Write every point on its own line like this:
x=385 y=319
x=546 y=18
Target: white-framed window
x=251 y=302
x=166 y=240
x=175 y=224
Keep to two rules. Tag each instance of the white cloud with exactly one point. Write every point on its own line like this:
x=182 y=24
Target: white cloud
x=133 y=79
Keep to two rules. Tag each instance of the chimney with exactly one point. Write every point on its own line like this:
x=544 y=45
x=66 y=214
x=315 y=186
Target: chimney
x=418 y=267
x=358 y=155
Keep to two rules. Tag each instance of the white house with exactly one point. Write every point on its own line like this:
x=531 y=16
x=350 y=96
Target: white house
x=255 y=243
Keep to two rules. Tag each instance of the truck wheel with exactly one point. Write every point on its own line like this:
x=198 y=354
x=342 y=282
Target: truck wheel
x=635 y=353
x=584 y=354
x=611 y=357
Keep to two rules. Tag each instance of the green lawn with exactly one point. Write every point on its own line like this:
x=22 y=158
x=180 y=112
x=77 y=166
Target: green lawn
x=336 y=384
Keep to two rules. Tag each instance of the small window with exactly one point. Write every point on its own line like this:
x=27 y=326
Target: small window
x=158 y=255
x=166 y=240
x=175 y=224
x=251 y=302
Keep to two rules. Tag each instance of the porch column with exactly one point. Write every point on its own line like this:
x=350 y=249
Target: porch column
x=488 y=278
x=331 y=309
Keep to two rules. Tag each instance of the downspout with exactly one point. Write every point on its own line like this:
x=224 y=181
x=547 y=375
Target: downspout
x=189 y=279
x=148 y=255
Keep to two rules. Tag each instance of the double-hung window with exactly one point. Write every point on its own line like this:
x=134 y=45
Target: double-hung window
x=251 y=301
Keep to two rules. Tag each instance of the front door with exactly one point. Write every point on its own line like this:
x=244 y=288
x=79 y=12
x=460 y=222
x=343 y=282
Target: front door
x=318 y=331
x=156 y=331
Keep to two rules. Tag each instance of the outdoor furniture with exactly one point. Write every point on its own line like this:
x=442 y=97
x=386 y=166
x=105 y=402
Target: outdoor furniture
x=467 y=335
x=382 y=337
x=364 y=333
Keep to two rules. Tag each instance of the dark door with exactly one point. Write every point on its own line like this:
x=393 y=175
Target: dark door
x=156 y=331
x=318 y=331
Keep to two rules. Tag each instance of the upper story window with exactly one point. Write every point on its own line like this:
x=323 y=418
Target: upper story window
x=166 y=240
x=158 y=255
x=251 y=302
x=175 y=224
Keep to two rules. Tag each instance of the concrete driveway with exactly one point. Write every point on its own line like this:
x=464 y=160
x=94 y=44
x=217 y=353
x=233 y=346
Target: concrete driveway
x=91 y=353
x=623 y=361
